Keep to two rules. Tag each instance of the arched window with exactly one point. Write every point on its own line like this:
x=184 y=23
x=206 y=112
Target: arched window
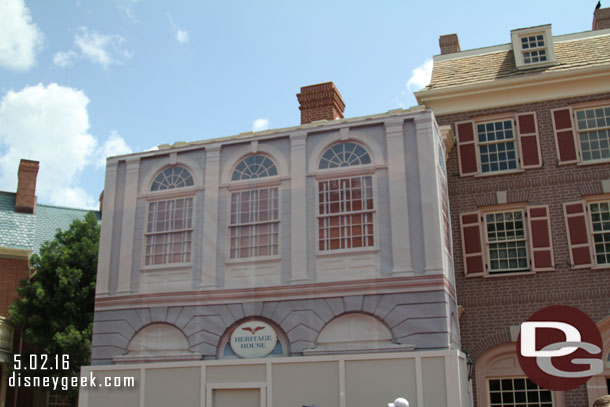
x=172 y=177
x=254 y=166
x=344 y=155
x=345 y=205
x=169 y=227
x=254 y=220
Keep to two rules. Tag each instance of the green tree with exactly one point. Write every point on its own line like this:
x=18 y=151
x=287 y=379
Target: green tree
x=55 y=310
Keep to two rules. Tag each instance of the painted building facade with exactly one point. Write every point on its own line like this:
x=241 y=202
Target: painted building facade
x=331 y=238
x=529 y=186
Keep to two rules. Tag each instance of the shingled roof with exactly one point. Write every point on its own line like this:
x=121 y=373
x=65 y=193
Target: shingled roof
x=29 y=231
x=496 y=63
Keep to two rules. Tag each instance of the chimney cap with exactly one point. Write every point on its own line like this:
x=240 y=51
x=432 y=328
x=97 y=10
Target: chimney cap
x=449 y=44
x=321 y=101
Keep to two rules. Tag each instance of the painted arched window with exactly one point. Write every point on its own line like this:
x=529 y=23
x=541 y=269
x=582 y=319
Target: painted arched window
x=172 y=177
x=254 y=166
x=345 y=204
x=169 y=227
x=254 y=221
x=344 y=155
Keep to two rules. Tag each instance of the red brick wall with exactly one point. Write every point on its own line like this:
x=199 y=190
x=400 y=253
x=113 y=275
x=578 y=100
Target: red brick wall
x=11 y=271
x=492 y=304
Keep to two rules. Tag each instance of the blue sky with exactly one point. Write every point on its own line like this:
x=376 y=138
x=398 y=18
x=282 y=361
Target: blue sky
x=83 y=79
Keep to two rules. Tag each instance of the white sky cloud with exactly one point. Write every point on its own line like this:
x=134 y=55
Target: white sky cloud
x=114 y=145
x=420 y=76
x=20 y=39
x=102 y=49
x=182 y=36
x=49 y=124
x=127 y=6
x=260 y=124
x=64 y=59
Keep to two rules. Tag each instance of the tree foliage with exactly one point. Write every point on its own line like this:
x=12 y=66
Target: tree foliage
x=55 y=310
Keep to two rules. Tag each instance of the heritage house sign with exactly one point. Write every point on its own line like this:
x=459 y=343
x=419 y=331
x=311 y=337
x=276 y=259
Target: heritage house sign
x=253 y=339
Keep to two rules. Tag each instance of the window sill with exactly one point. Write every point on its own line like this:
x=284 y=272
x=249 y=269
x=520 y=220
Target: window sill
x=592 y=162
x=265 y=259
x=347 y=252
x=601 y=267
x=490 y=174
x=170 y=266
x=508 y=274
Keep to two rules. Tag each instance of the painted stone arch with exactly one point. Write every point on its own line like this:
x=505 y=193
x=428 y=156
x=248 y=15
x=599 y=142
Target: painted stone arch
x=366 y=142
x=355 y=332
x=171 y=177
x=281 y=348
x=273 y=154
x=187 y=163
x=158 y=341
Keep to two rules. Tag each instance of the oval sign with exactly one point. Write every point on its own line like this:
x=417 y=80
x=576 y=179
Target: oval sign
x=253 y=339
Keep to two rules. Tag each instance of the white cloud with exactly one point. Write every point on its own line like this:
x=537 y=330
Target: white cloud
x=420 y=76
x=49 y=124
x=64 y=59
x=102 y=49
x=126 y=6
x=114 y=145
x=260 y=124
x=182 y=36
x=20 y=39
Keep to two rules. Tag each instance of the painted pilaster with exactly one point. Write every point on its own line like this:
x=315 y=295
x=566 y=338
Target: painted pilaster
x=129 y=225
x=210 y=216
x=298 y=208
x=427 y=137
x=103 y=262
x=399 y=210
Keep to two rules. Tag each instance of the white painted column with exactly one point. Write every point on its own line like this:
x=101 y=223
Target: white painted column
x=427 y=137
x=103 y=261
x=399 y=209
x=128 y=225
x=298 y=208
x=210 y=216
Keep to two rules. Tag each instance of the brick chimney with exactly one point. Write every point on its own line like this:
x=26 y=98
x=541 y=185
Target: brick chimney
x=26 y=187
x=449 y=44
x=601 y=19
x=320 y=102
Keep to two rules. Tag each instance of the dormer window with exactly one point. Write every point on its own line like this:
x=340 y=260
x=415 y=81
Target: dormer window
x=533 y=47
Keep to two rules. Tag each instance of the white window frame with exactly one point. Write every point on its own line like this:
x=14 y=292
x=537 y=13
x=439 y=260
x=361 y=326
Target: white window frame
x=516 y=141
x=274 y=184
x=526 y=238
x=169 y=197
x=577 y=131
x=488 y=387
x=592 y=233
x=516 y=38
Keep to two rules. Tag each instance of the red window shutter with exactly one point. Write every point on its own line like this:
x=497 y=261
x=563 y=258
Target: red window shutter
x=472 y=244
x=528 y=140
x=578 y=234
x=564 y=135
x=541 y=246
x=467 y=152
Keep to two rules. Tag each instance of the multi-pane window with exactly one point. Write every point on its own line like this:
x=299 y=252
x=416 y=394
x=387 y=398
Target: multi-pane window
x=593 y=127
x=254 y=166
x=533 y=49
x=254 y=226
x=255 y=219
x=6 y=335
x=506 y=241
x=518 y=392
x=344 y=155
x=172 y=177
x=497 y=146
x=58 y=400
x=600 y=222
x=346 y=213
x=169 y=231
